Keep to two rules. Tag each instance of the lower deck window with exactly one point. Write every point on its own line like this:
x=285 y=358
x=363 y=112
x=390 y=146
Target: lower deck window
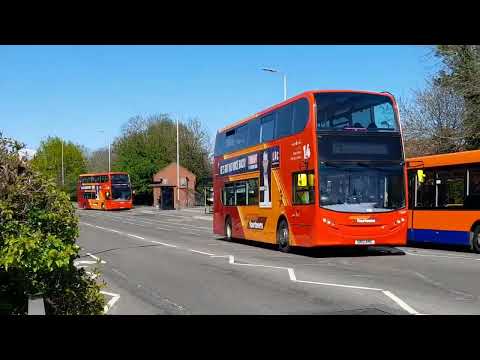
x=304 y=188
x=240 y=193
x=89 y=195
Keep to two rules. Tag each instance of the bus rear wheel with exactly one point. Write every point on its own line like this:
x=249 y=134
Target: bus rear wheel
x=476 y=239
x=283 y=239
x=228 y=229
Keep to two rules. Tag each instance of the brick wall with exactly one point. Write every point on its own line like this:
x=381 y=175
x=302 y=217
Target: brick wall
x=169 y=176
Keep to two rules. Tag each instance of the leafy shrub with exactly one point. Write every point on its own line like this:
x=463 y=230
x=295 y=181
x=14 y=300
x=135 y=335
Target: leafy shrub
x=38 y=228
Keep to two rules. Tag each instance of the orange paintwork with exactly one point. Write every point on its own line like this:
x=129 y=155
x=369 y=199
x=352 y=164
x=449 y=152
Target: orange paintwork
x=462 y=157
x=102 y=203
x=306 y=226
x=443 y=219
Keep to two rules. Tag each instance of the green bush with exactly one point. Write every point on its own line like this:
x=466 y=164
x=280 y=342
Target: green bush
x=38 y=229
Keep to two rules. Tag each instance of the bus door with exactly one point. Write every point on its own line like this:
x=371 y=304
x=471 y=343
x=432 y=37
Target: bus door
x=302 y=212
x=424 y=200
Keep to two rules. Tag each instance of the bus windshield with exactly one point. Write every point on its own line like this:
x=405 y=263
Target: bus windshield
x=361 y=187
x=347 y=110
x=121 y=192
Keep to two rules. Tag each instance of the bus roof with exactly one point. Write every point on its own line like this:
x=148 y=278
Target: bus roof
x=104 y=173
x=462 y=157
x=296 y=97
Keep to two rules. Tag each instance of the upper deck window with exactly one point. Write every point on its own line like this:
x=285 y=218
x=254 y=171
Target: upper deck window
x=285 y=121
x=120 y=179
x=339 y=111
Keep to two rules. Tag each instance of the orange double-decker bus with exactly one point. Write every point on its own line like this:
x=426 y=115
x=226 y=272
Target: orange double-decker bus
x=444 y=199
x=322 y=168
x=105 y=191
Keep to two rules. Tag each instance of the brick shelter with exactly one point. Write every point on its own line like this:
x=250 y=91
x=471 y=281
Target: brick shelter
x=165 y=187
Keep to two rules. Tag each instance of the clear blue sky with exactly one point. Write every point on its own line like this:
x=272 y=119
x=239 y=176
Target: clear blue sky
x=72 y=91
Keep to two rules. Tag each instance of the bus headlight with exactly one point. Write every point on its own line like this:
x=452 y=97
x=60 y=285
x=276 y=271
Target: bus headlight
x=328 y=222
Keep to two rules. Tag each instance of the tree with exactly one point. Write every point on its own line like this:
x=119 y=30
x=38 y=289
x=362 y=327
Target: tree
x=433 y=121
x=97 y=160
x=38 y=228
x=48 y=160
x=147 y=145
x=461 y=73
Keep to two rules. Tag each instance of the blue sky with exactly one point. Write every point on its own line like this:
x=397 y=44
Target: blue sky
x=72 y=91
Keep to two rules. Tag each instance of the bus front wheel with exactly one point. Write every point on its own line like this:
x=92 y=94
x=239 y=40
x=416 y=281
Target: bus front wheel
x=283 y=239
x=476 y=239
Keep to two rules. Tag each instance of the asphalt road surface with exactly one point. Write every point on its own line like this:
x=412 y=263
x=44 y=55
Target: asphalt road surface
x=169 y=262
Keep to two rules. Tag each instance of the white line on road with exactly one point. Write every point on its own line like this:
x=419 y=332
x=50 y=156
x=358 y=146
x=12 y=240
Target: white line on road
x=88 y=262
x=401 y=303
x=339 y=285
x=162 y=243
x=119 y=273
x=112 y=301
x=96 y=258
x=443 y=256
x=291 y=273
x=136 y=236
x=201 y=252
x=203 y=218
x=84 y=223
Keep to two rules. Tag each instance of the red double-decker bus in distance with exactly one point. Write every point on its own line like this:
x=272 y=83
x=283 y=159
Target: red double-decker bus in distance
x=324 y=168
x=105 y=191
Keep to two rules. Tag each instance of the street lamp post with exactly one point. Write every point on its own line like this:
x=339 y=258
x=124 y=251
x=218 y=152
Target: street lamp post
x=63 y=170
x=109 y=152
x=178 y=171
x=284 y=80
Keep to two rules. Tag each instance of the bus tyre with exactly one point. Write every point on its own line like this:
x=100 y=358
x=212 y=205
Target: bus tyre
x=283 y=239
x=228 y=229
x=476 y=239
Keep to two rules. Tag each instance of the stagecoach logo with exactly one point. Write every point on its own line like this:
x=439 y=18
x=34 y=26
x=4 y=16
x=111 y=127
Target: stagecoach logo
x=257 y=223
x=363 y=219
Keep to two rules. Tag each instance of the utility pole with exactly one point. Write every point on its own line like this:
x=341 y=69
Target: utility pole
x=109 y=157
x=63 y=171
x=178 y=172
x=109 y=151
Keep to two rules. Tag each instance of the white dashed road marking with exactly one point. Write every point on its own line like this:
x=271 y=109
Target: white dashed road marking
x=291 y=273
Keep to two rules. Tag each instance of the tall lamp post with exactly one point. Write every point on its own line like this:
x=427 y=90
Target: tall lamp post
x=284 y=80
x=109 y=152
x=178 y=172
x=63 y=169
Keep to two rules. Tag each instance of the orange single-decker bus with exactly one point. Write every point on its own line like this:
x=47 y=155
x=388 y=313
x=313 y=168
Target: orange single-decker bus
x=105 y=191
x=444 y=199
x=321 y=168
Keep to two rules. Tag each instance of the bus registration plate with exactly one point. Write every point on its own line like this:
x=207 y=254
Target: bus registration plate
x=364 y=242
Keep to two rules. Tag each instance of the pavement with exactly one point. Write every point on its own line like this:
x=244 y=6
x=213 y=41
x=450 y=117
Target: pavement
x=170 y=262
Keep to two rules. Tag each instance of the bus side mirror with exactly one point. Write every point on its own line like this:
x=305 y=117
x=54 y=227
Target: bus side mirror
x=133 y=192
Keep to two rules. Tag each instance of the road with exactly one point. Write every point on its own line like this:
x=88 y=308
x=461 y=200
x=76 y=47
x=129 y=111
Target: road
x=169 y=262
